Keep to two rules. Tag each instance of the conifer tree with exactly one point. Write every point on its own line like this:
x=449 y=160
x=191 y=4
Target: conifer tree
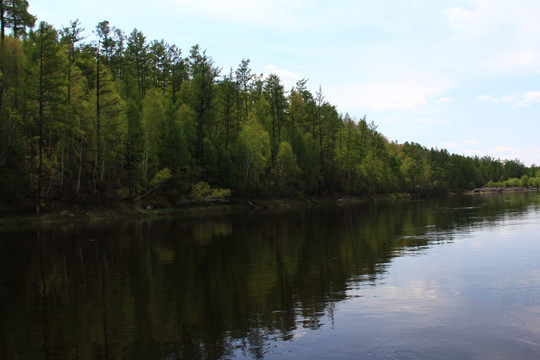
x=203 y=78
x=15 y=16
x=45 y=64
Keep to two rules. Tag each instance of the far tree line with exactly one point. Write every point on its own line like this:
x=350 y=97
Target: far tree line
x=120 y=117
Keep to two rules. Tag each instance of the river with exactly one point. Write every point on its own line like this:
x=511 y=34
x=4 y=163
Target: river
x=457 y=278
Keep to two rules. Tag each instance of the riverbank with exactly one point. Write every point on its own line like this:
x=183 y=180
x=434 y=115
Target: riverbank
x=61 y=213
x=64 y=212
x=499 y=189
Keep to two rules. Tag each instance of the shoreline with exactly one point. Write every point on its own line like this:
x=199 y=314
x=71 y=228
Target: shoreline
x=499 y=189
x=67 y=213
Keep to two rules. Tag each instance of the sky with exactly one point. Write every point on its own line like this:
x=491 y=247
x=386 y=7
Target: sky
x=461 y=75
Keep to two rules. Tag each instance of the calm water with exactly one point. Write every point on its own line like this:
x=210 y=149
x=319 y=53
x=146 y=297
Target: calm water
x=451 y=279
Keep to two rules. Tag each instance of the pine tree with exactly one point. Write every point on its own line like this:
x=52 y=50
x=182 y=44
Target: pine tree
x=45 y=63
x=203 y=78
x=15 y=16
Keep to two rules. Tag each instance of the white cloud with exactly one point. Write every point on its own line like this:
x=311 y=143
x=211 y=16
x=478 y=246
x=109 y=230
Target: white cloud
x=450 y=144
x=444 y=100
x=486 y=97
x=503 y=34
x=529 y=98
x=509 y=98
x=383 y=96
x=527 y=154
x=519 y=99
x=405 y=89
x=287 y=77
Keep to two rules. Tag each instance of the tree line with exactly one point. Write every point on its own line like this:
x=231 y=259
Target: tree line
x=120 y=117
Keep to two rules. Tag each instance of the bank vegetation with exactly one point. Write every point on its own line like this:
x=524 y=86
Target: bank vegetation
x=120 y=118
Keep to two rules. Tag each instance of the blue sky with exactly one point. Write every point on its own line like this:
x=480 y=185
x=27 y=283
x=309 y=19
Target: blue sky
x=463 y=75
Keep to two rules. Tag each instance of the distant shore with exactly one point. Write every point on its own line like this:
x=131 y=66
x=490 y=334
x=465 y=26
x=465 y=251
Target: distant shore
x=65 y=213
x=500 y=189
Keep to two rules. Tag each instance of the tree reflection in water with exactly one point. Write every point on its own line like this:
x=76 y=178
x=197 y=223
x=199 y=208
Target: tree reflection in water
x=212 y=287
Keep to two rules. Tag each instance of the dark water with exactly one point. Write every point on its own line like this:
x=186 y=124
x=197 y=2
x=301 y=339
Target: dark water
x=450 y=279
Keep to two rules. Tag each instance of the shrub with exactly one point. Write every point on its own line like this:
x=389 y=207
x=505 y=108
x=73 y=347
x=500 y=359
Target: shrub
x=203 y=191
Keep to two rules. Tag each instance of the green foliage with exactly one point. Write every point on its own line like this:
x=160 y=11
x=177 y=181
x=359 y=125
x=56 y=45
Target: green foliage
x=512 y=182
x=534 y=182
x=253 y=148
x=286 y=168
x=134 y=146
x=82 y=120
x=203 y=191
x=16 y=17
x=162 y=176
x=153 y=118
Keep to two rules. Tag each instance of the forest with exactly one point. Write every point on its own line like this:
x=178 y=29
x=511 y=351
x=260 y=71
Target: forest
x=120 y=118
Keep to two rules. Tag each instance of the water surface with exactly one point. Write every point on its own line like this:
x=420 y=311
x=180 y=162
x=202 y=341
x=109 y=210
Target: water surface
x=447 y=279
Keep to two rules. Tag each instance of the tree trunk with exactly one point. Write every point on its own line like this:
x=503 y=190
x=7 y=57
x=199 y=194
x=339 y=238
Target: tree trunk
x=98 y=120
x=80 y=167
x=146 y=153
x=62 y=162
x=40 y=145
x=2 y=22
x=102 y=177
x=248 y=165
x=200 y=136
